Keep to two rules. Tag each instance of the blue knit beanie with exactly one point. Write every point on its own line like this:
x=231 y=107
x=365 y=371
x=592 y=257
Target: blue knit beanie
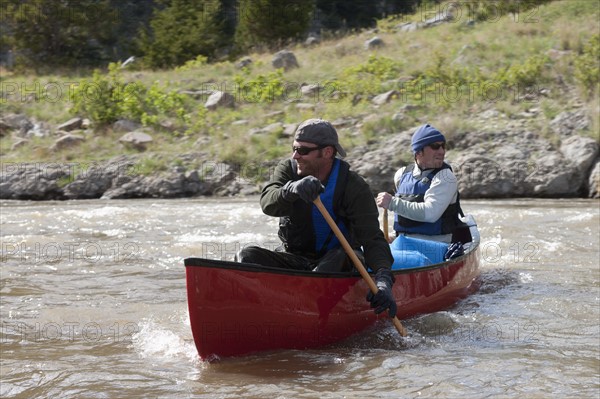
x=425 y=135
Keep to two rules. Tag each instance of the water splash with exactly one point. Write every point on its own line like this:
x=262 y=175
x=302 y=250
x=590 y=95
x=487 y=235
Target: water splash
x=154 y=341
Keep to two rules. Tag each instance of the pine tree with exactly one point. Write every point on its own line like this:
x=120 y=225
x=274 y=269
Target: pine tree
x=48 y=34
x=271 y=22
x=181 y=31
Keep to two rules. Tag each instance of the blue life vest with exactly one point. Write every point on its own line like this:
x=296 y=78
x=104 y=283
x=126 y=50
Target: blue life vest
x=325 y=239
x=305 y=231
x=413 y=189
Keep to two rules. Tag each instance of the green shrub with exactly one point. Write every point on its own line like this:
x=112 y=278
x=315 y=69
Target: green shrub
x=106 y=98
x=101 y=98
x=156 y=102
x=369 y=77
x=262 y=88
x=380 y=67
x=523 y=75
x=196 y=63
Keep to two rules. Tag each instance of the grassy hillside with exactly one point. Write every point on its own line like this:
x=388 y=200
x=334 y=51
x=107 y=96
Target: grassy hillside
x=543 y=58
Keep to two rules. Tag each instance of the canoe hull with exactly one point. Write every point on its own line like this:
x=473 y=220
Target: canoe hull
x=237 y=309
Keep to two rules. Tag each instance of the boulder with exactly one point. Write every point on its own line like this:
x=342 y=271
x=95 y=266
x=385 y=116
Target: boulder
x=67 y=141
x=384 y=97
x=551 y=181
x=310 y=89
x=125 y=126
x=70 y=125
x=284 y=59
x=407 y=27
x=289 y=129
x=17 y=122
x=312 y=41
x=374 y=43
x=137 y=140
x=219 y=99
x=580 y=151
x=243 y=63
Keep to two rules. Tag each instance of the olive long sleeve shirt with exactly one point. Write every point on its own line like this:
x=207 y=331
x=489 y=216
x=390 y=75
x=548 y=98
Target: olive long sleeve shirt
x=357 y=208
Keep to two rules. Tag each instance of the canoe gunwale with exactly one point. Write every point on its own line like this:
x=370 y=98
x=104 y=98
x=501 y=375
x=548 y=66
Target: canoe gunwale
x=254 y=267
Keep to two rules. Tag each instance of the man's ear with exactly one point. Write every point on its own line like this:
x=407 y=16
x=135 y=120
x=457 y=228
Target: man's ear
x=331 y=150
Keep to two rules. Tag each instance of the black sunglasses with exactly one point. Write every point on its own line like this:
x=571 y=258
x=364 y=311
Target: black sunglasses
x=306 y=150
x=436 y=146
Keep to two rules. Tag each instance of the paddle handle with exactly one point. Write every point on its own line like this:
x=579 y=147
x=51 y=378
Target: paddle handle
x=386 y=232
x=357 y=263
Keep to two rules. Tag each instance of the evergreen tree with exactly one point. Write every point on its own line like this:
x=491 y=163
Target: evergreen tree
x=271 y=22
x=181 y=31
x=51 y=34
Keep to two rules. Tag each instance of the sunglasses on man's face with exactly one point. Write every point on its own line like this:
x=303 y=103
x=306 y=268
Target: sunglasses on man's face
x=437 y=146
x=306 y=150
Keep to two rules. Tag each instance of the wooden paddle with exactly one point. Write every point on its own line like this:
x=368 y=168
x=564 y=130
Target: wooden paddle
x=357 y=263
x=386 y=233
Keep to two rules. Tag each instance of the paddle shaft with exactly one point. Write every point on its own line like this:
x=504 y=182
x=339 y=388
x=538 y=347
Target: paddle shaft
x=357 y=263
x=386 y=233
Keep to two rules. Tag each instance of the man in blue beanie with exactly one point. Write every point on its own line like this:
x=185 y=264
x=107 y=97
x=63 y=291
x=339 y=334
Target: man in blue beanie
x=427 y=201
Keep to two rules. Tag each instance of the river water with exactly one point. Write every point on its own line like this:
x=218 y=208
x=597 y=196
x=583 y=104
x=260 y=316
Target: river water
x=93 y=305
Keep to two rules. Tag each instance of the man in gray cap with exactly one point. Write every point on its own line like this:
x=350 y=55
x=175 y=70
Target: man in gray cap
x=308 y=243
x=427 y=201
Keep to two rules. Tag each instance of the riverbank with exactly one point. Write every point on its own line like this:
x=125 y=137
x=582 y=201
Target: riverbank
x=510 y=161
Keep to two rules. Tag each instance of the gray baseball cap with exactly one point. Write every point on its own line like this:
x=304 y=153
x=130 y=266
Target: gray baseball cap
x=321 y=132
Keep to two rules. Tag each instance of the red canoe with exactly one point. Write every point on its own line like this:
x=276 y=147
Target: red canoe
x=238 y=308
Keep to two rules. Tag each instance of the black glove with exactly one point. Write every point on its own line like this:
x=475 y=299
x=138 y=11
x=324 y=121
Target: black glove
x=454 y=251
x=307 y=189
x=383 y=299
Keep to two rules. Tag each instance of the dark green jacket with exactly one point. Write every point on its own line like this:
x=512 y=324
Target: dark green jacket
x=356 y=208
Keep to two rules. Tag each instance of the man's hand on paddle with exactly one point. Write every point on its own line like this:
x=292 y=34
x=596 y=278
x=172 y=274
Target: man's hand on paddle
x=307 y=189
x=383 y=200
x=383 y=299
